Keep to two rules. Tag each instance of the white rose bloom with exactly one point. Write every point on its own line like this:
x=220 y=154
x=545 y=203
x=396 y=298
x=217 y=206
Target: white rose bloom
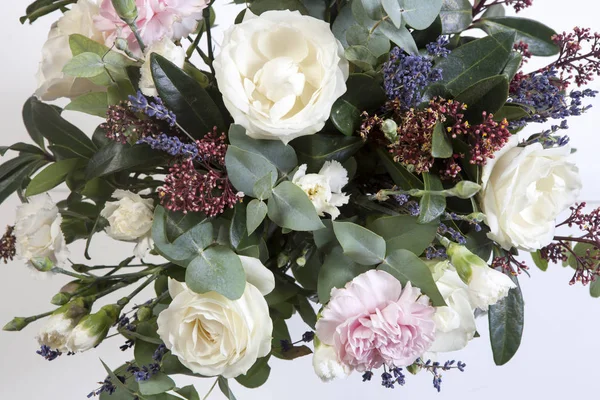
x=130 y=219
x=280 y=74
x=325 y=188
x=166 y=48
x=523 y=191
x=56 y=53
x=213 y=335
x=326 y=364
x=454 y=323
x=38 y=232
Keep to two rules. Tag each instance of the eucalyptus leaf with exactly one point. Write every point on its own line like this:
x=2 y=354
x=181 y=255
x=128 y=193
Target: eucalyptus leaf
x=315 y=150
x=400 y=36
x=337 y=270
x=431 y=205
x=84 y=65
x=255 y=215
x=420 y=14
x=289 y=207
x=404 y=232
x=245 y=169
x=360 y=244
x=441 y=146
x=94 y=103
x=217 y=269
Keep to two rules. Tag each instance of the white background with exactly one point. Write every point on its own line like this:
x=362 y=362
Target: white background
x=559 y=353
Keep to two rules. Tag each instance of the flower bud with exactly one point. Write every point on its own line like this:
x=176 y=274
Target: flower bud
x=326 y=363
x=390 y=129
x=80 y=268
x=126 y=10
x=144 y=313
x=464 y=261
x=122 y=44
x=60 y=324
x=92 y=329
x=464 y=189
x=15 y=325
x=60 y=299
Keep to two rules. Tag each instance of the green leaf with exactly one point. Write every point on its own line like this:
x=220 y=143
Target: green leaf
x=361 y=56
x=393 y=10
x=404 y=232
x=177 y=223
x=217 y=269
x=187 y=244
x=376 y=42
x=539 y=261
x=294 y=352
x=372 y=8
x=432 y=205
x=477 y=60
x=116 y=381
x=407 y=267
x=441 y=147
x=595 y=288
x=117 y=157
x=336 y=271
x=263 y=187
x=400 y=36
x=359 y=243
x=84 y=65
x=282 y=156
x=535 y=34
x=245 y=169
x=479 y=244
x=363 y=93
x=420 y=14
x=45 y=120
x=51 y=176
x=257 y=375
x=260 y=6
x=196 y=112
x=306 y=311
x=399 y=174
x=506 y=325
x=28 y=164
x=22 y=148
x=513 y=65
x=255 y=215
x=512 y=112
x=224 y=385
x=487 y=95
x=315 y=150
x=158 y=383
x=289 y=207
x=189 y=392
x=94 y=103
x=456 y=15
x=344 y=20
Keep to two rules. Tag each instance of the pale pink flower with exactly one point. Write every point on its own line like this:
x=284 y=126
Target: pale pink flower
x=373 y=321
x=157 y=19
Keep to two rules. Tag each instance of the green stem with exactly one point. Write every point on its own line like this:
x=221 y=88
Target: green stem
x=69 y=273
x=39 y=316
x=136 y=33
x=211 y=389
x=125 y=300
x=211 y=57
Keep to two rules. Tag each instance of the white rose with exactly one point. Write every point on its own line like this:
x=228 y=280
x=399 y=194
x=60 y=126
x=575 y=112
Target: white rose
x=38 y=232
x=325 y=188
x=56 y=53
x=326 y=363
x=455 y=322
x=130 y=219
x=166 y=48
x=523 y=191
x=280 y=74
x=213 y=335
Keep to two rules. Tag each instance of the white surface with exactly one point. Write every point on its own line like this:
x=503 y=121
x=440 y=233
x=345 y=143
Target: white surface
x=557 y=359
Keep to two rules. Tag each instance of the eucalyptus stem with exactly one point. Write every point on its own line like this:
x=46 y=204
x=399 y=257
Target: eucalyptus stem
x=211 y=56
x=136 y=33
x=211 y=389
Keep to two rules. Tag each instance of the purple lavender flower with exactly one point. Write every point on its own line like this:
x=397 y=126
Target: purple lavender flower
x=438 y=48
x=155 y=109
x=172 y=145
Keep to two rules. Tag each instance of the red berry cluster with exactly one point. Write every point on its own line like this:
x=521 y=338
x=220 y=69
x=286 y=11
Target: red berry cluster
x=579 y=56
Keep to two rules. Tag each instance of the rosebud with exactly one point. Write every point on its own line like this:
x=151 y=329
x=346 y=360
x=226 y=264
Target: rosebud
x=126 y=10
x=390 y=129
x=16 y=324
x=464 y=189
x=61 y=323
x=92 y=329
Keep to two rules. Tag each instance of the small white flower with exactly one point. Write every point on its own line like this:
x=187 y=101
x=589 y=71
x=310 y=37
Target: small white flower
x=38 y=231
x=524 y=189
x=488 y=286
x=326 y=364
x=213 y=335
x=166 y=48
x=455 y=322
x=325 y=188
x=130 y=219
x=92 y=329
x=58 y=327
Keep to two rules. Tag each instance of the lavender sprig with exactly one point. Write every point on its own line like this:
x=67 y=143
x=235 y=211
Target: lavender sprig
x=155 y=109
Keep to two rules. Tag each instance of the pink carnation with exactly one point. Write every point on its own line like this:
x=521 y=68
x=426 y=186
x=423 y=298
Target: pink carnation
x=373 y=321
x=157 y=19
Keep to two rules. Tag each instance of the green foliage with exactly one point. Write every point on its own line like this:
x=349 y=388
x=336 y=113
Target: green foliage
x=404 y=232
x=256 y=213
x=15 y=172
x=289 y=207
x=257 y=375
x=456 y=16
x=246 y=169
x=116 y=157
x=196 y=111
x=487 y=95
x=407 y=267
x=506 y=325
x=432 y=205
x=216 y=269
x=315 y=150
x=441 y=146
x=94 y=103
x=535 y=34
x=337 y=270
x=260 y=6
x=359 y=243
x=477 y=60
x=51 y=176
x=399 y=174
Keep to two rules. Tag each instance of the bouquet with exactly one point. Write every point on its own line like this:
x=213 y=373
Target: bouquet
x=357 y=162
